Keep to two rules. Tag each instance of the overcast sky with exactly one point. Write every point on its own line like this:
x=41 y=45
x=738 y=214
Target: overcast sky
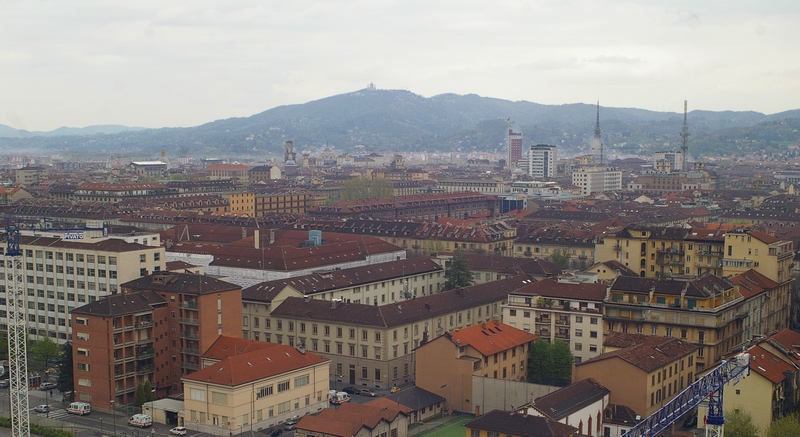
x=183 y=63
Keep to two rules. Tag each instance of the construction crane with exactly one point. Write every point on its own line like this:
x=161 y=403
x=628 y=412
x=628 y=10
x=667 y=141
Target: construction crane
x=708 y=386
x=17 y=326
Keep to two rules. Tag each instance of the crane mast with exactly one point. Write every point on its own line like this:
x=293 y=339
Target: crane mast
x=17 y=325
x=708 y=386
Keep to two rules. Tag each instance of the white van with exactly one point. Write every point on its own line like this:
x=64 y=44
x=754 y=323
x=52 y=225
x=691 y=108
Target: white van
x=79 y=408
x=140 y=420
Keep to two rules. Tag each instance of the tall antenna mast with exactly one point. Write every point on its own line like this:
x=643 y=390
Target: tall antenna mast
x=597 y=132
x=684 y=139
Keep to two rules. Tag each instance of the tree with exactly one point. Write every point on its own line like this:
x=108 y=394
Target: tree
x=560 y=257
x=44 y=350
x=550 y=363
x=786 y=426
x=740 y=424
x=365 y=188
x=144 y=394
x=458 y=274
x=64 y=381
x=559 y=363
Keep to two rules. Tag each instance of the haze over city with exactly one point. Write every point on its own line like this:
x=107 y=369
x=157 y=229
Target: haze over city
x=152 y=64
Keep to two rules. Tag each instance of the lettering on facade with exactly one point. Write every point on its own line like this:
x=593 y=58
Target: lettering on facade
x=73 y=235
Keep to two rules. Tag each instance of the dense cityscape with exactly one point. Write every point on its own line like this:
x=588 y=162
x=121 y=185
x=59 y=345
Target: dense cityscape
x=339 y=293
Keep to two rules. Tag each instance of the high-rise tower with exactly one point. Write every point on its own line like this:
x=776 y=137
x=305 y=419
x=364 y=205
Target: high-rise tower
x=684 y=139
x=596 y=147
x=514 y=148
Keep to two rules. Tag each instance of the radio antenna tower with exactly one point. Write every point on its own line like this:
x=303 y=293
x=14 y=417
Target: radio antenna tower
x=17 y=349
x=684 y=140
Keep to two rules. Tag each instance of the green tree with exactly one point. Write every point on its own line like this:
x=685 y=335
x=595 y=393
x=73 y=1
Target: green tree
x=559 y=363
x=64 y=381
x=365 y=188
x=458 y=274
x=536 y=361
x=550 y=363
x=144 y=393
x=786 y=426
x=740 y=424
x=560 y=257
x=44 y=350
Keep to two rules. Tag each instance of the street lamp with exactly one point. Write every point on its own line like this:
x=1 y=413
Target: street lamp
x=114 y=415
x=101 y=425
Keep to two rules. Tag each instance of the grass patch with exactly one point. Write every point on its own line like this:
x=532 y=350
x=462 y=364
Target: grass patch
x=451 y=428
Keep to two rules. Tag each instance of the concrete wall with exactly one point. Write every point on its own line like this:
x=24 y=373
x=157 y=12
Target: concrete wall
x=496 y=394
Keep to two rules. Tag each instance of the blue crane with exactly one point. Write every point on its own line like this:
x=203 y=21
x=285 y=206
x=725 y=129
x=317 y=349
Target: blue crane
x=708 y=386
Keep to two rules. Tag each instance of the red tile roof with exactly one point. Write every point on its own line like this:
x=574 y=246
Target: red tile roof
x=752 y=283
x=648 y=352
x=766 y=238
x=551 y=287
x=768 y=365
x=224 y=347
x=349 y=418
x=244 y=368
x=491 y=337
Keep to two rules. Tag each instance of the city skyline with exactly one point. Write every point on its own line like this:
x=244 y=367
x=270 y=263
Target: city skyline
x=186 y=64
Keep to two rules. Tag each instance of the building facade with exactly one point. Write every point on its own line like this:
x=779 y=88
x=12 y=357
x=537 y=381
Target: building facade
x=542 y=161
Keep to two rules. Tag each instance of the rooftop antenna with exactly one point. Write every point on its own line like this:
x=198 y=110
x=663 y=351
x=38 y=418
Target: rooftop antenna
x=684 y=139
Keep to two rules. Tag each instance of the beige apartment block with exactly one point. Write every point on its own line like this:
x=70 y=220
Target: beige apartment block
x=371 y=345
x=68 y=269
x=255 y=389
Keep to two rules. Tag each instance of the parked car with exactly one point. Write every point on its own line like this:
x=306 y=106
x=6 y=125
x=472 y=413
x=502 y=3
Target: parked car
x=41 y=409
x=4 y=383
x=275 y=432
x=290 y=425
x=47 y=386
x=178 y=430
x=350 y=390
x=394 y=389
x=367 y=392
x=690 y=422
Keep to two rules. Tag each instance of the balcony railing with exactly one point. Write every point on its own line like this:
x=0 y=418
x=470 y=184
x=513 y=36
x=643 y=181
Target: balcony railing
x=190 y=366
x=145 y=340
x=190 y=321
x=120 y=391
x=617 y=247
x=144 y=324
x=145 y=355
x=124 y=359
x=190 y=351
x=144 y=370
x=190 y=305
x=189 y=335
x=122 y=328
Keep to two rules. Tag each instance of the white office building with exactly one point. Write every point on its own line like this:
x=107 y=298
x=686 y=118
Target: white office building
x=597 y=180
x=542 y=161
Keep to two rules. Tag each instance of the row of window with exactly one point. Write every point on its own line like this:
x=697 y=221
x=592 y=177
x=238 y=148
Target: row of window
x=79 y=257
x=71 y=270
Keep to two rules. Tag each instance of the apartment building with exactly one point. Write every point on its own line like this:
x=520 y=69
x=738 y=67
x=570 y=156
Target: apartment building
x=555 y=309
x=393 y=281
x=593 y=180
x=63 y=270
x=285 y=202
x=542 y=161
x=643 y=372
x=483 y=186
x=241 y=202
x=117 y=344
x=200 y=309
x=429 y=207
x=371 y=345
x=706 y=311
x=30 y=175
x=153 y=330
x=446 y=364
x=252 y=387
x=772 y=257
x=665 y=251
x=576 y=244
x=238 y=173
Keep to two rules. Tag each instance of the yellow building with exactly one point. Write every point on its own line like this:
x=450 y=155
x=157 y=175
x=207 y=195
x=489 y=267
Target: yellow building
x=492 y=349
x=253 y=386
x=242 y=202
x=706 y=311
x=770 y=256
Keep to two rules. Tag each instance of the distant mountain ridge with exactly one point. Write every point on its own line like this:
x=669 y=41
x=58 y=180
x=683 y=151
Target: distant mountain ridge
x=388 y=120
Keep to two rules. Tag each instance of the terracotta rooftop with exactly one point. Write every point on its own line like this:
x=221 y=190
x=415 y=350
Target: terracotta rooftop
x=105 y=245
x=115 y=305
x=768 y=365
x=490 y=337
x=752 y=283
x=236 y=370
x=348 y=419
x=224 y=347
x=702 y=287
x=649 y=352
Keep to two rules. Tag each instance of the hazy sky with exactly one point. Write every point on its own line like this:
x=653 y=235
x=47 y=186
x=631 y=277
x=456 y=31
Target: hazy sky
x=184 y=63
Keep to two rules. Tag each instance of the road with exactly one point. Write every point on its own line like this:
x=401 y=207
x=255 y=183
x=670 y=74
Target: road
x=97 y=424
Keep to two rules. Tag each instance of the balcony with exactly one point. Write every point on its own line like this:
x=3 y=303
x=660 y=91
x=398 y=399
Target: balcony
x=143 y=355
x=121 y=391
x=190 y=351
x=118 y=376
x=710 y=265
x=144 y=324
x=190 y=321
x=673 y=250
x=145 y=340
x=188 y=305
x=190 y=366
x=562 y=322
x=144 y=370
x=189 y=335
x=617 y=247
x=124 y=359
x=122 y=328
